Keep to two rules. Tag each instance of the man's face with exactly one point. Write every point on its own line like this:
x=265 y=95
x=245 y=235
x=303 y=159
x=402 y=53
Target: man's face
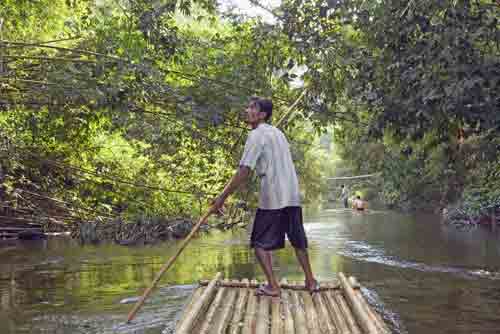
x=254 y=115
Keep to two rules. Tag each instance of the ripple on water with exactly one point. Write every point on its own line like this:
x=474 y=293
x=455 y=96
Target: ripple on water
x=363 y=251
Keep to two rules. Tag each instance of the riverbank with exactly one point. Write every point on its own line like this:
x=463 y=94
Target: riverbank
x=127 y=234
x=466 y=216
x=141 y=231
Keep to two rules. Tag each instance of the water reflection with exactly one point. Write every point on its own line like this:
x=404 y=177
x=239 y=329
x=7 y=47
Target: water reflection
x=423 y=276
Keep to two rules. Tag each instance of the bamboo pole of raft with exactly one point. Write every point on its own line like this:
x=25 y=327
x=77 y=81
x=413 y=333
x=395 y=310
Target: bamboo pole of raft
x=212 y=312
x=298 y=311
x=250 y=318
x=290 y=286
x=373 y=315
x=226 y=313
x=276 y=320
x=198 y=307
x=311 y=315
x=335 y=313
x=166 y=266
x=325 y=322
x=364 y=320
x=262 y=326
x=348 y=316
x=288 y=325
x=187 y=310
x=239 y=311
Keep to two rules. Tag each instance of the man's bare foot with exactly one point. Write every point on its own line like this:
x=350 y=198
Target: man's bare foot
x=266 y=290
x=312 y=286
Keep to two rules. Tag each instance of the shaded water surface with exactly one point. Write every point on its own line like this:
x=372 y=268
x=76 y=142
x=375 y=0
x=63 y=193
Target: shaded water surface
x=423 y=277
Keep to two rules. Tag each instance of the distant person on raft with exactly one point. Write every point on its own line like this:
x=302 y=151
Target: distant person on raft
x=279 y=213
x=344 y=196
x=358 y=204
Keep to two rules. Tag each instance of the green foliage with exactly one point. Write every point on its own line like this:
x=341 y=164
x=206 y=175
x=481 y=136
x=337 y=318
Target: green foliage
x=406 y=82
x=136 y=112
x=136 y=108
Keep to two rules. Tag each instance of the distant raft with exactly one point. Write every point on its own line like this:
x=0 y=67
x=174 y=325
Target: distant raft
x=231 y=307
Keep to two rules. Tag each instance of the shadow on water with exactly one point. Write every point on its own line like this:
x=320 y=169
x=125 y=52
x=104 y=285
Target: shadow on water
x=422 y=276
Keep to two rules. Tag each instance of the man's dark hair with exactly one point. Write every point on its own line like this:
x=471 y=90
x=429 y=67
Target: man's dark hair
x=265 y=105
x=358 y=197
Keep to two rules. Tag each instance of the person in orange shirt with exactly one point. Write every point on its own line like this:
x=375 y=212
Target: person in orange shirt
x=358 y=204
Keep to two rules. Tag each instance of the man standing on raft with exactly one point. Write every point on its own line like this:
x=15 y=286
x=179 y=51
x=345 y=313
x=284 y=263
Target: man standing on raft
x=267 y=152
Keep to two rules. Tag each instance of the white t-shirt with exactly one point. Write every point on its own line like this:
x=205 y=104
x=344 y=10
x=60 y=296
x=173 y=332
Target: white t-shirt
x=344 y=193
x=268 y=153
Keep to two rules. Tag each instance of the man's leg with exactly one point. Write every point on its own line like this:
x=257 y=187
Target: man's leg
x=303 y=258
x=298 y=239
x=265 y=260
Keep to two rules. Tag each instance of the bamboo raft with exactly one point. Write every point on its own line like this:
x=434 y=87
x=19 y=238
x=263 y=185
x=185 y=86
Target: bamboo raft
x=231 y=307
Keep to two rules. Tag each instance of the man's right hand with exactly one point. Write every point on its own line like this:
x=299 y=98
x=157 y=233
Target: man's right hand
x=218 y=205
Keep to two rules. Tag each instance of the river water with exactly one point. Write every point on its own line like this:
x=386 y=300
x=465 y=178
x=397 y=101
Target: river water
x=422 y=276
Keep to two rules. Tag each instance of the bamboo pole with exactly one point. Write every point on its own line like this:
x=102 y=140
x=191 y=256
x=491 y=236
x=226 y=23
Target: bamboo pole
x=290 y=109
x=198 y=307
x=311 y=314
x=167 y=265
x=226 y=313
x=238 y=316
x=298 y=287
x=493 y=220
x=74 y=60
x=348 y=316
x=326 y=325
x=289 y=327
x=364 y=320
x=276 y=316
x=353 y=177
x=262 y=326
x=298 y=311
x=212 y=312
x=335 y=313
x=187 y=310
x=250 y=318
x=382 y=326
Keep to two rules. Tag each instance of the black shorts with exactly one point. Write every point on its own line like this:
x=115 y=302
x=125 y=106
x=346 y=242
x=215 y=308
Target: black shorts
x=270 y=227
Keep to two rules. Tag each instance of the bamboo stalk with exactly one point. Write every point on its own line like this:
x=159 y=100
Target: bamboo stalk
x=277 y=321
x=187 y=310
x=238 y=316
x=311 y=314
x=226 y=313
x=8 y=235
x=335 y=313
x=40 y=45
x=250 y=318
x=74 y=60
x=20 y=229
x=325 y=322
x=363 y=319
x=348 y=316
x=198 y=307
x=212 y=311
x=289 y=327
x=167 y=265
x=298 y=311
x=382 y=326
x=298 y=287
x=262 y=326
x=290 y=109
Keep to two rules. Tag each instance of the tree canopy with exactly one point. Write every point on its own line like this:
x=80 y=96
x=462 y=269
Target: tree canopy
x=133 y=107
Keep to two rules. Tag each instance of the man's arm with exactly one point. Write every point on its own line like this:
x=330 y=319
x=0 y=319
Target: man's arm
x=238 y=179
